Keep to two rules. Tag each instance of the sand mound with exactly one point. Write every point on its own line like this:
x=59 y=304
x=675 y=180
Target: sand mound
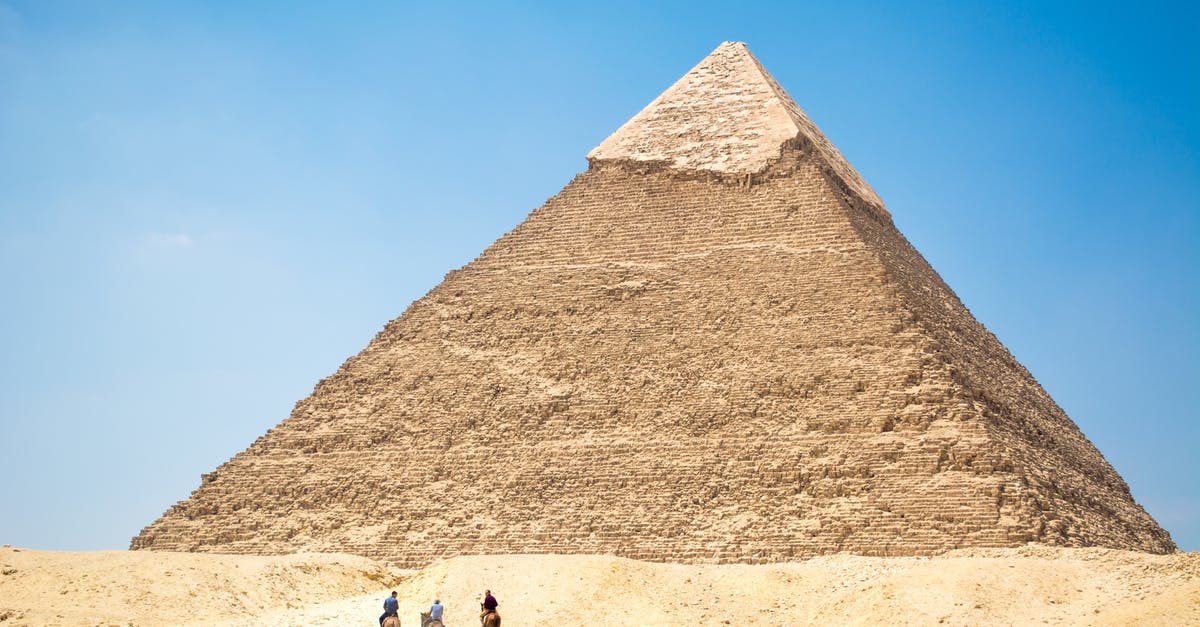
x=970 y=587
x=158 y=588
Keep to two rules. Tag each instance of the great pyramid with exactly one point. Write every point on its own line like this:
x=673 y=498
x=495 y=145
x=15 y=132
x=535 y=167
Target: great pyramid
x=711 y=346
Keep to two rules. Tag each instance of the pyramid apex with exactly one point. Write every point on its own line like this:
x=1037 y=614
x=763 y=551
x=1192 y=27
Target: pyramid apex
x=726 y=115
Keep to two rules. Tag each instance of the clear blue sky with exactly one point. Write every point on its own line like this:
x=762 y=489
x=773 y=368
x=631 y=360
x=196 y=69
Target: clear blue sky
x=205 y=207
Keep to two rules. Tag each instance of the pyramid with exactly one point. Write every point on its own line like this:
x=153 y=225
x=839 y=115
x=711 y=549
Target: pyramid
x=713 y=345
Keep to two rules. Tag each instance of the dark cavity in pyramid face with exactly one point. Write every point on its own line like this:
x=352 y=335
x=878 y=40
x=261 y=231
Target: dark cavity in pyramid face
x=711 y=346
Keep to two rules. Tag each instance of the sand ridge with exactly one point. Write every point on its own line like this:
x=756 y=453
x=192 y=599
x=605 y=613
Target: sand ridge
x=968 y=587
x=159 y=588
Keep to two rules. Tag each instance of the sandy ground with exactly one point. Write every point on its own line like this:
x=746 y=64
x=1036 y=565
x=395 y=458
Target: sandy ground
x=1032 y=585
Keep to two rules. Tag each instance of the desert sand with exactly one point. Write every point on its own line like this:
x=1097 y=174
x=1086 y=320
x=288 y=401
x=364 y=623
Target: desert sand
x=1031 y=585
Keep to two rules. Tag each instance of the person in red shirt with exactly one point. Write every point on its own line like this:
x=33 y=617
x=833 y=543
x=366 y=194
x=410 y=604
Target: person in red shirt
x=488 y=606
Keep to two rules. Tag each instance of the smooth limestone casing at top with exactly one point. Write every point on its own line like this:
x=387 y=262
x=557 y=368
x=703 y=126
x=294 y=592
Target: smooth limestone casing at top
x=711 y=346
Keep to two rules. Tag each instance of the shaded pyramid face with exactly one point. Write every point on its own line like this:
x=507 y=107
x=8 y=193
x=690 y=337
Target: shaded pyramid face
x=711 y=346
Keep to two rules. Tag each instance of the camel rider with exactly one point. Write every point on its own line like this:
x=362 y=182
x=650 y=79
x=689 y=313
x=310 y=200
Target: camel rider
x=391 y=607
x=488 y=606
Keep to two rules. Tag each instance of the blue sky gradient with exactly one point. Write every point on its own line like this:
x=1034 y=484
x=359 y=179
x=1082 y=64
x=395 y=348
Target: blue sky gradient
x=205 y=207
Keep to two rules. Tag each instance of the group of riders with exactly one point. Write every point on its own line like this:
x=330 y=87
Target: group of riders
x=488 y=617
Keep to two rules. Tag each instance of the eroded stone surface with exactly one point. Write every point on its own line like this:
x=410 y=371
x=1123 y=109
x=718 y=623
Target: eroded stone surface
x=673 y=367
x=726 y=115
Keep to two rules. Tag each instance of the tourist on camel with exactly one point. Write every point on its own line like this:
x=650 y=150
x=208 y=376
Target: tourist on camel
x=488 y=606
x=391 y=607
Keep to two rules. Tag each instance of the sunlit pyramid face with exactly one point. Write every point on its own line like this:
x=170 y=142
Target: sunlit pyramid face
x=711 y=346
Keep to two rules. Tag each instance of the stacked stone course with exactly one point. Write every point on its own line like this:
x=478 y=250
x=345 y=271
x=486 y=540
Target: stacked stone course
x=677 y=364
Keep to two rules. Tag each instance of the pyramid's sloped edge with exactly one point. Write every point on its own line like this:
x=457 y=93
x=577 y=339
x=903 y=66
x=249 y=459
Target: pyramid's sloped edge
x=729 y=116
x=671 y=369
x=829 y=154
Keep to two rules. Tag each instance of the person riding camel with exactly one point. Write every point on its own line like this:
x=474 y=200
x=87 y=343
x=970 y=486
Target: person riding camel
x=391 y=607
x=488 y=606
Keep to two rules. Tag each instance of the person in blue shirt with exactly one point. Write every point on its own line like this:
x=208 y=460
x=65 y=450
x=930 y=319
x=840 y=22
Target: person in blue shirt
x=435 y=610
x=391 y=607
